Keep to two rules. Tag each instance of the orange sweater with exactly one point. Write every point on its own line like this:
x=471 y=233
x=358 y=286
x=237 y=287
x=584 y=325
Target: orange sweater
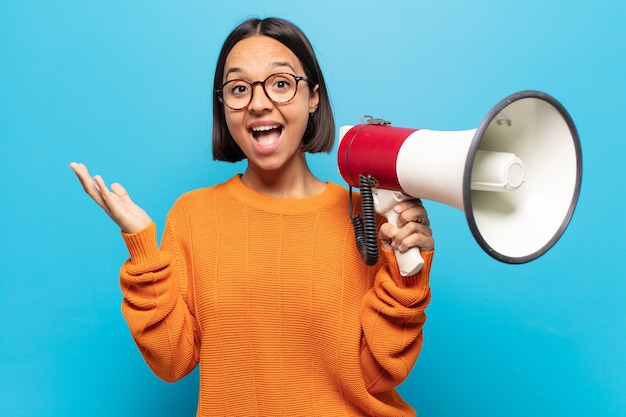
x=273 y=300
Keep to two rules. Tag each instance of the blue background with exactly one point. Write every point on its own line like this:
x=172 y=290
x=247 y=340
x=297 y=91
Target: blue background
x=124 y=86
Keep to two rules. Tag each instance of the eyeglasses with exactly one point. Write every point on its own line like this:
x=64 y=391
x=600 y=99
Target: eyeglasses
x=280 y=88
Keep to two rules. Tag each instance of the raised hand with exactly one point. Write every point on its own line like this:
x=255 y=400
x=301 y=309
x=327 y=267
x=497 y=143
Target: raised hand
x=115 y=202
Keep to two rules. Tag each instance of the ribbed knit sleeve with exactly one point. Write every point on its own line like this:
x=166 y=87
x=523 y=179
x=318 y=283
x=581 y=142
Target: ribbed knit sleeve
x=153 y=283
x=392 y=317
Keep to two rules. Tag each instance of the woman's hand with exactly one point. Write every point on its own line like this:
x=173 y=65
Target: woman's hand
x=115 y=202
x=412 y=228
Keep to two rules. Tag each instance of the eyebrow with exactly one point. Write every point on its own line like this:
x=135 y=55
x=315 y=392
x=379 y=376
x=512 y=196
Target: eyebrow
x=274 y=64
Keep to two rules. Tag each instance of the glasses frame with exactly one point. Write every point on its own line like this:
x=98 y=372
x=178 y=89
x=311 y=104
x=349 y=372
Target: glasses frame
x=262 y=83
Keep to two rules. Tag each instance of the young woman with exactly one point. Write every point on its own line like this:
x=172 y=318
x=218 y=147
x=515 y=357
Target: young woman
x=259 y=279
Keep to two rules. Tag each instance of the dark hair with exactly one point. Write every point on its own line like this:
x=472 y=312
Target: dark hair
x=319 y=135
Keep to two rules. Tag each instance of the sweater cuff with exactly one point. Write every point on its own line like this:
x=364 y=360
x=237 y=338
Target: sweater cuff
x=142 y=246
x=418 y=279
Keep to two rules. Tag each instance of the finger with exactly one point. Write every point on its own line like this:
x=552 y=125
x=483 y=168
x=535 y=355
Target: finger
x=102 y=187
x=89 y=184
x=122 y=199
x=386 y=233
x=130 y=217
x=407 y=204
x=119 y=190
x=411 y=235
x=423 y=241
x=411 y=228
x=82 y=173
x=416 y=213
x=84 y=177
x=104 y=198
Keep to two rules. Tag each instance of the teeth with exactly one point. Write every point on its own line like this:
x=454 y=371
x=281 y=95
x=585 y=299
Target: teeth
x=264 y=128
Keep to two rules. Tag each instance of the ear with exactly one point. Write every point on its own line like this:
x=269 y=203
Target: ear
x=314 y=99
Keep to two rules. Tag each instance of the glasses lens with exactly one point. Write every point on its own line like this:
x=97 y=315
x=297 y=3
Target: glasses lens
x=236 y=94
x=281 y=87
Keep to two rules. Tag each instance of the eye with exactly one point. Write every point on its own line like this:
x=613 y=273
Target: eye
x=281 y=83
x=237 y=88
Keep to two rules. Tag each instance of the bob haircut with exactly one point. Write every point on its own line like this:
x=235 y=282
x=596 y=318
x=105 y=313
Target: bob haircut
x=319 y=135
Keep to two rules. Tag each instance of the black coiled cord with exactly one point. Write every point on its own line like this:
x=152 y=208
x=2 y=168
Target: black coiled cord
x=365 y=231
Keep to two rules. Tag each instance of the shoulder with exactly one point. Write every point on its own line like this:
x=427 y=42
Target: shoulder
x=197 y=195
x=344 y=192
x=199 y=198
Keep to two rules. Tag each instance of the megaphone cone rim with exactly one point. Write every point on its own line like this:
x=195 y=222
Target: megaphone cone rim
x=467 y=200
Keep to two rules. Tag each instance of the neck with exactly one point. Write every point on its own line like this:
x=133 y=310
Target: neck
x=295 y=181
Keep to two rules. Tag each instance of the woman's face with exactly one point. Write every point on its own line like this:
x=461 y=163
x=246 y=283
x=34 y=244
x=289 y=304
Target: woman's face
x=269 y=134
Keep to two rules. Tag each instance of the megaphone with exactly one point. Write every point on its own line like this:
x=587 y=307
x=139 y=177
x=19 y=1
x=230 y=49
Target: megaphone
x=517 y=176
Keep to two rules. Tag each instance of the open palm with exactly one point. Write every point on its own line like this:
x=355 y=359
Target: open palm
x=115 y=202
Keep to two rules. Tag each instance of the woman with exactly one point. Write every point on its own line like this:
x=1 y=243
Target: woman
x=259 y=279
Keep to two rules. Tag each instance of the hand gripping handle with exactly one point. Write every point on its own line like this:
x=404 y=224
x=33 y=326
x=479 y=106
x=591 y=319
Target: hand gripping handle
x=410 y=262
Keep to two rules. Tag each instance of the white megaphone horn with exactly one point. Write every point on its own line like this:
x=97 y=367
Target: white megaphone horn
x=517 y=176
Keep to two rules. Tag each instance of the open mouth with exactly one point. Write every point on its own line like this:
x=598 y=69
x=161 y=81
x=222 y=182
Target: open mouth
x=267 y=135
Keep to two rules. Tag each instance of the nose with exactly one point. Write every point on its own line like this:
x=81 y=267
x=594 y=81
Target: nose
x=259 y=100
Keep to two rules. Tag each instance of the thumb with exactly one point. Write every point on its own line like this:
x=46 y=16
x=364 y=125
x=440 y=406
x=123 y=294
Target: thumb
x=119 y=190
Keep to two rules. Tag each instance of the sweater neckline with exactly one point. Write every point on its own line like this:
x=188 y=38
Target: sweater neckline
x=331 y=195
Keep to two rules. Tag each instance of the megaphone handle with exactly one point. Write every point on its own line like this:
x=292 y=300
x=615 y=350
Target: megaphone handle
x=411 y=261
